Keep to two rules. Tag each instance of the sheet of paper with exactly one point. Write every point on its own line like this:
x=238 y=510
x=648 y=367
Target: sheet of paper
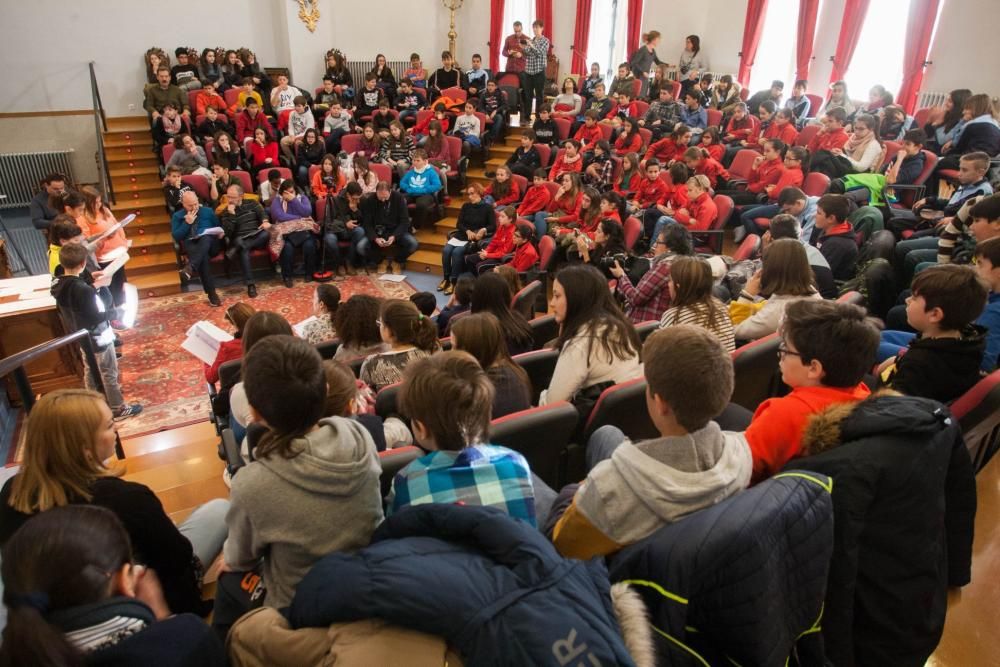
x=113 y=228
x=392 y=277
x=301 y=326
x=203 y=340
x=213 y=231
x=109 y=270
x=458 y=243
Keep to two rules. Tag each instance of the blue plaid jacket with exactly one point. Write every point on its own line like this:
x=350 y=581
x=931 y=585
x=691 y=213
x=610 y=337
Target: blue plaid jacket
x=484 y=475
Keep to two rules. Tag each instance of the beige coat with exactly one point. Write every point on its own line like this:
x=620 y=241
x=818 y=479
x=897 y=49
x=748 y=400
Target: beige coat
x=263 y=638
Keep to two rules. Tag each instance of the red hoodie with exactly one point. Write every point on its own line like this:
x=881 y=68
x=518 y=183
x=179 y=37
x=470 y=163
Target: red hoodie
x=700 y=215
x=739 y=129
x=786 y=133
x=561 y=167
x=632 y=111
x=535 y=199
x=513 y=194
x=631 y=186
x=421 y=127
x=676 y=196
x=827 y=141
x=665 y=150
x=790 y=178
x=624 y=145
x=767 y=173
x=502 y=241
x=715 y=151
x=713 y=169
x=571 y=209
x=525 y=257
x=650 y=191
x=589 y=135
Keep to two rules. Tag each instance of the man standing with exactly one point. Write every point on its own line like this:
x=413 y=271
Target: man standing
x=245 y=223
x=514 y=54
x=536 y=51
x=42 y=213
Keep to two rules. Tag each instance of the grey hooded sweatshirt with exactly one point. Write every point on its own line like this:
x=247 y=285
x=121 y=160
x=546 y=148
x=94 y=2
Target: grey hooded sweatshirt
x=292 y=512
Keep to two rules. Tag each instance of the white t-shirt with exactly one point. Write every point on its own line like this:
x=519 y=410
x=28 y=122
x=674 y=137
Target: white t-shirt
x=286 y=98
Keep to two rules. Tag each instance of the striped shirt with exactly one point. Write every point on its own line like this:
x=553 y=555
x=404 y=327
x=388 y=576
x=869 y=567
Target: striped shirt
x=385 y=368
x=697 y=314
x=485 y=475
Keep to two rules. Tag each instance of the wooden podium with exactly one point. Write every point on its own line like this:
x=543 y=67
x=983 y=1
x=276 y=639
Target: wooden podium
x=28 y=317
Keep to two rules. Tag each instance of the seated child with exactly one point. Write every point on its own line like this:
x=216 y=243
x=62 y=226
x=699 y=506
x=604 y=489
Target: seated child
x=836 y=240
x=632 y=490
x=448 y=399
x=408 y=102
x=425 y=302
x=460 y=302
x=306 y=470
x=538 y=196
x=416 y=72
x=525 y=253
x=826 y=349
x=545 y=127
x=467 y=126
x=943 y=360
x=173 y=188
x=525 y=159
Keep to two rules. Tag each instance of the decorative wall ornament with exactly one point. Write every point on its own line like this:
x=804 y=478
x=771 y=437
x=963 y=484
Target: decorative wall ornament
x=309 y=13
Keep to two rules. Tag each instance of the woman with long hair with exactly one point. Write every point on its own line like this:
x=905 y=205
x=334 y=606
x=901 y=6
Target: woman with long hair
x=356 y=322
x=308 y=153
x=362 y=174
x=609 y=240
x=644 y=59
x=598 y=346
x=491 y=294
x=226 y=151
x=692 y=301
x=76 y=596
x=384 y=78
x=482 y=336
x=96 y=220
x=319 y=328
x=862 y=152
x=70 y=434
x=408 y=334
x=692 y=61
x=945 y=122
x=785 y=276
x=328 y=179
x=237 y=314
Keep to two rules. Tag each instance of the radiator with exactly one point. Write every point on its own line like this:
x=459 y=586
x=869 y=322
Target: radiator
x=931 y=99
x=359 y=68
x=21 y=173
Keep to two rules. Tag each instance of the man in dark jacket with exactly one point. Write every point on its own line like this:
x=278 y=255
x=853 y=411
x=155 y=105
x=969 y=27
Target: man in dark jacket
x=904 y=499
x=387 y=226
x=341 y=221
x=42 y=213
x=245 y=223
x=81 y=308
x=510 y=598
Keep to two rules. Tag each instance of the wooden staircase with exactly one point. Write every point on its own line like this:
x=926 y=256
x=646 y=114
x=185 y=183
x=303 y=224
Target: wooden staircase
x=427 y=258
x=135 y=177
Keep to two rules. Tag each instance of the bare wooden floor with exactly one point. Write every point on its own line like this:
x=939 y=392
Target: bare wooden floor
x=182 y=467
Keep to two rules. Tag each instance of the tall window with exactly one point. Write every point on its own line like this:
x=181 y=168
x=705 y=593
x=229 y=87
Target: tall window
x=776 y=53
x=516 y=10
x=606 y=40
x=882 y=41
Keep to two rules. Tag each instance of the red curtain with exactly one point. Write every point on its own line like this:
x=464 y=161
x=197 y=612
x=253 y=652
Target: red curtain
x=919 y=26
x=633 y=26
x=753 y=27
x=581 y=35
x=808 y=10
x=850 y=31
x=496 y=33
x=543 y=13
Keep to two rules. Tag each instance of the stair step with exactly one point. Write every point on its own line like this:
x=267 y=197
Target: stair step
x=503 y=150
x=128 y=124
x=151 y=240
x=131 y=203
x=127 y=161
x=432 y=240
x=159 y=283
x=151 y=262
x=427 y=261
x=128 y=139
x=128 y=151
x=126 y=171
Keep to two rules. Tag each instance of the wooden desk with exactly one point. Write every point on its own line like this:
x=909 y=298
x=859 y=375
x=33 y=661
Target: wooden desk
x=25 y=323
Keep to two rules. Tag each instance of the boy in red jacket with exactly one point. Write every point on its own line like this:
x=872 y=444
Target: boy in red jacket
x=590 y=132
x=525 y=254
x=537 y=197
x=825 y=350
x=651 y=189
x=833 y=134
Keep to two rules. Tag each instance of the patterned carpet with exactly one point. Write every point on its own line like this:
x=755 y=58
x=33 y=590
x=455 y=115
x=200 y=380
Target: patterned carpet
x=169 y=382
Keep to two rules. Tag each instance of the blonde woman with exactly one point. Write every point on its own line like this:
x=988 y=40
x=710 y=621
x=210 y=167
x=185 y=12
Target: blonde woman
x=70 y=436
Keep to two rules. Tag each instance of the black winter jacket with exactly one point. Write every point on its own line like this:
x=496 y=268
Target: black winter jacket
x=80 y=308
x=904 y=499
x=742 y=580
x=391 y=218
x=841 y=252
x=473 y=217
x=492 y=586
x=941 y=368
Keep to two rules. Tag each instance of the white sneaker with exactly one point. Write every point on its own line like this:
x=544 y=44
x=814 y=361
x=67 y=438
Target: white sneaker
x=739 y=234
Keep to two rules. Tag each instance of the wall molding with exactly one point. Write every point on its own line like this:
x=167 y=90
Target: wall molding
x=39 y=114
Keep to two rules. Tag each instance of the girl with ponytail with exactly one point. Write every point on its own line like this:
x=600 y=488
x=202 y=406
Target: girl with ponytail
x=409 y=335
x=75 y=597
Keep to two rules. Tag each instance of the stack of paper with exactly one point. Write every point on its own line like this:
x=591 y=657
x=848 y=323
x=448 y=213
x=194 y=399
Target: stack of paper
x=203 y=341
x=301 y=326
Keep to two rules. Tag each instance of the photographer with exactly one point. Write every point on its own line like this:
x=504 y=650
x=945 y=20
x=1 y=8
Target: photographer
x=608 y=243
x=650 y=297
x=387 y=226
x=342 y=222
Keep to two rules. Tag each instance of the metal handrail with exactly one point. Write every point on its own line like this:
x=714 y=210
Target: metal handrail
x=15 y=363
x=101 y=126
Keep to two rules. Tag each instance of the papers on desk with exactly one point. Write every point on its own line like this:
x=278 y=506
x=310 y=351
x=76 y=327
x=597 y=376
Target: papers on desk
x=108 y=271
x=29 y=292
x=458 y=243
x=203 y=341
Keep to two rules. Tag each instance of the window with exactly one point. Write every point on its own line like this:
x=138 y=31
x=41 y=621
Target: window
x=882 y=41
x=516 y=10
x=606 y=40
x=776 y=52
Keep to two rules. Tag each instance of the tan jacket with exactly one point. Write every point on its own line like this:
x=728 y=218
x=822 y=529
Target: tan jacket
x=263 y=638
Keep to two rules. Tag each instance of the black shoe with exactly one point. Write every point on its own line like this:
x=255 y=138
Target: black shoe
x=288 y=281
x=214 y=300
x=252 y=291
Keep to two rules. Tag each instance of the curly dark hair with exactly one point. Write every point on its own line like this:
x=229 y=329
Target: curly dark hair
x=355 y=321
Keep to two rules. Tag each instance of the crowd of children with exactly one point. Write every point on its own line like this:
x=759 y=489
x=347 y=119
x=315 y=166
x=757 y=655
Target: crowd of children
x=602 y=179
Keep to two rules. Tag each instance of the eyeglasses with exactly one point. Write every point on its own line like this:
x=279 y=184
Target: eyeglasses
x=660 y=242
x=783 y=352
